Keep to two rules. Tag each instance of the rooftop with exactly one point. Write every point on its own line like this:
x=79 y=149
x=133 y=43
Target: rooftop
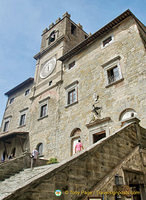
x=100 y=32
x=20 y=86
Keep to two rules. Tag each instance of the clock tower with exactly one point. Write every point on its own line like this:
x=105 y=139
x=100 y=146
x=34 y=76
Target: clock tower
x=56 y=40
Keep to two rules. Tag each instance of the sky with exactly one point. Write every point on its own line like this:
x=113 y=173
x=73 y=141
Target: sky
x=22 y=23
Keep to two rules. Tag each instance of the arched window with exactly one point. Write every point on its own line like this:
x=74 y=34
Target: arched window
x=75 y=136
x=75 y=132
x=126 y=115
x=40 y=148
x=51 y=37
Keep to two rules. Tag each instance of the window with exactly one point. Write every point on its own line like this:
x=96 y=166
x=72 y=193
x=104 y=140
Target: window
x=107 y=41
x=112 y=71
x=43 y=108
x=113 y=74
x=71 y=65
x=40 y=148
x=11 y=100
x=72 y=96
x=22 y=120
x=126 y=115
x=76 y=132
x=52 y=37
x=23 y=114
x=6 y=126
x=6 y=123
x=43 y=112
x=73 y=29
x=27 y=92
x=72 y=93
x=50 y=83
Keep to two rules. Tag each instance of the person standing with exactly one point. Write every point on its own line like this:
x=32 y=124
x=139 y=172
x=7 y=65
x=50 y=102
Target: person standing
x=79 y=146
x=34 y=157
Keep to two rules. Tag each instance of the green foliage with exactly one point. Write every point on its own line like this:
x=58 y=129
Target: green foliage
x=52 y=160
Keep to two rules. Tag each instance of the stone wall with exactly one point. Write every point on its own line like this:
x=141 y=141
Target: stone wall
x=107 y=186
x=13 y=111
x=90 y=74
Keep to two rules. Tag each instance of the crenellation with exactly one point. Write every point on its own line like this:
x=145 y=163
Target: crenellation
x=51 y=25
x=45 y=30
x=66 y=15
x=58 y=20
x=80 y=25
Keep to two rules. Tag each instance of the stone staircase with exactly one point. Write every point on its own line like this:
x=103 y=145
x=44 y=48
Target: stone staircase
x=20 y=179
x=81 y=172
x=14 y=166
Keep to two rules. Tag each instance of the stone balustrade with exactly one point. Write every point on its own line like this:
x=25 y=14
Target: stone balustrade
x=15 y=165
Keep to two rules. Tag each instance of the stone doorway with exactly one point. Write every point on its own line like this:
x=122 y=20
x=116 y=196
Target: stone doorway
x=135 y=180
x=135 y=187
x=74 y=142
x=13 y=152
x=98 y=136
x=75 y=136
x=3 y=156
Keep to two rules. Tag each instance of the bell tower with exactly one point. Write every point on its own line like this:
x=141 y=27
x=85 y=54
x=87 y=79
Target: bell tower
x=58 y=39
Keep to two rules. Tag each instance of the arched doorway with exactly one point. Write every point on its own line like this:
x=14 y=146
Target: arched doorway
x=75 y=136
x=13 y=152
x=40 y=149
x=3 y=157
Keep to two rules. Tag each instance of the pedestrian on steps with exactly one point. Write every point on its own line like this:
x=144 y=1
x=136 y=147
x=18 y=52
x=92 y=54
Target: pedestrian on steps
x=34 y=157
x=79 y=146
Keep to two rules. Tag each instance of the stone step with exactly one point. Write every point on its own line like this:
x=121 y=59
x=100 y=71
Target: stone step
x=7 y=186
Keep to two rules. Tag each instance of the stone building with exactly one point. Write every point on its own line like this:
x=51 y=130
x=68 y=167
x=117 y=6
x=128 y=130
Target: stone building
x=87 y=87
x=84 y=86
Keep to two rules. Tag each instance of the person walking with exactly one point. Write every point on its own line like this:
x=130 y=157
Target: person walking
x=34 y=157
x=79 y=146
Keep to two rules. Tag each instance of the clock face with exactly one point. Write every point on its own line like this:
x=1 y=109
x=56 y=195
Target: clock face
x=48 y=68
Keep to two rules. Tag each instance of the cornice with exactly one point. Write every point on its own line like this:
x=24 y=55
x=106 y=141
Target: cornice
x=41 y=53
